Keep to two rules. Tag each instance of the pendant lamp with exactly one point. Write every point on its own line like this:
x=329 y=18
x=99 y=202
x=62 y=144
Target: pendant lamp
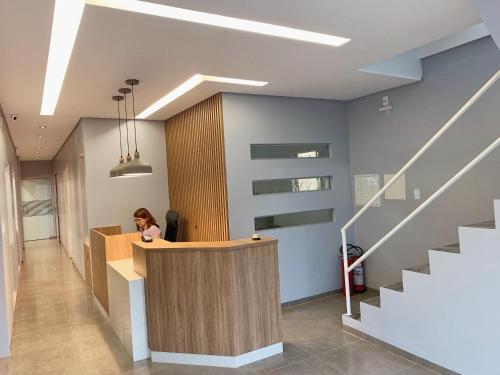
x=120 y=172
x=136 y=167
x=114 y=172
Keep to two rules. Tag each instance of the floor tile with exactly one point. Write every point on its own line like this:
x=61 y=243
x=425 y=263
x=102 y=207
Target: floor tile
x=32 y=325
x=415 y=370
x=291 y=354
x=310 y=366
x=58 y=330
x=364 y=358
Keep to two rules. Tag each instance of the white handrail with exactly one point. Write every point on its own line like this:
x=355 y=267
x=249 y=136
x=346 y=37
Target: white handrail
x=429 y=143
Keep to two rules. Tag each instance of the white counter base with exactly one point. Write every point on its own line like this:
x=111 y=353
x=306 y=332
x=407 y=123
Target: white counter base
x=127 y=310
x=217 y=360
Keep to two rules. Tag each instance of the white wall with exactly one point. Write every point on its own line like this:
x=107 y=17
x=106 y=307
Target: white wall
x=11 y=237
x=489 y=10
x=70 y=176
x=113 y=201
x=308 y=255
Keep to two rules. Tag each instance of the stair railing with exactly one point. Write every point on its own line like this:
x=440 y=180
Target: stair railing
x=441 y=190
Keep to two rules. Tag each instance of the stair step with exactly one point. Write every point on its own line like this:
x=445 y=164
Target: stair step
x=421 y=269
x=490 y=224
x=454 y=248
x=373 y=301
x=398 y=287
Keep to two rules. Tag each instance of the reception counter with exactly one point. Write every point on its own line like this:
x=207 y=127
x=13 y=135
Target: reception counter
x=211 y=303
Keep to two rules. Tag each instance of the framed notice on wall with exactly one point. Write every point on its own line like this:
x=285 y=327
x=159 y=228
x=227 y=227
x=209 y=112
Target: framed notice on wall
x=398 y=190
x=365 y=187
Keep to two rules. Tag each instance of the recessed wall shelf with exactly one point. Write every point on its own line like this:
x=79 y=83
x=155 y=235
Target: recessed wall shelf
x=291 y=185
x=294 y=219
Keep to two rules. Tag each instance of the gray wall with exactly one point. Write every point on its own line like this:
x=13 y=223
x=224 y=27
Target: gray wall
x=489 y=10
x=381 y=143
x=307 y=254
x=71 y=201
x=113 y=201
x=11 y=237
x=37 y=169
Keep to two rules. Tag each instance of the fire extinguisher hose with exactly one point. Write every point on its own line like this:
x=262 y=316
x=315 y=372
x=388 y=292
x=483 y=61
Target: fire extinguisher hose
x=353 y=251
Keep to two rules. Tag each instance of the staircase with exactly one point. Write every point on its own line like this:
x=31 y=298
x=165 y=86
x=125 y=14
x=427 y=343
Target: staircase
x=447 y=311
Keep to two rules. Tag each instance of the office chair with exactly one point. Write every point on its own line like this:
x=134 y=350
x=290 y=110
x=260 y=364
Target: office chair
x=172 y=218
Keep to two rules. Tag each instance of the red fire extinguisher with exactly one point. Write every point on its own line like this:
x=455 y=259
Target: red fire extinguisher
x=357 y=275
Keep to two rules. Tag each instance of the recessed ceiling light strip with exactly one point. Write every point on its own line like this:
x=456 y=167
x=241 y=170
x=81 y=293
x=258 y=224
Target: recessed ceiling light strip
x=171 y=96
x=234 y=81
x=190 y=84
x=65 y=24
x=211 y=19
x=68 y=14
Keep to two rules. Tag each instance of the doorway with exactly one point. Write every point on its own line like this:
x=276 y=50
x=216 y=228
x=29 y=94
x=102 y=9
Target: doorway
x=38 y=209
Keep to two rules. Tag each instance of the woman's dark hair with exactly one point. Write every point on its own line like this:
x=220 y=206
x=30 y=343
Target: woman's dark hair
x=142 y=213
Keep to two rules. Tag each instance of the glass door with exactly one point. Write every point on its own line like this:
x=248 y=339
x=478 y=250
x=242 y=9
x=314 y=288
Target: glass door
x=38 y=209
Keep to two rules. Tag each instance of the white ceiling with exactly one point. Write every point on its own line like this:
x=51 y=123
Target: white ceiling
x=114 y=45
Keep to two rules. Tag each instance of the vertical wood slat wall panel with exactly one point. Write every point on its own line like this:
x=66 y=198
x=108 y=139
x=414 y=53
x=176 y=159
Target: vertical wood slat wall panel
x=197 y=171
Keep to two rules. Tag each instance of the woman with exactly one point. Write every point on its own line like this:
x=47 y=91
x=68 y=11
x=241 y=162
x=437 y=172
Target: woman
x=146 y=223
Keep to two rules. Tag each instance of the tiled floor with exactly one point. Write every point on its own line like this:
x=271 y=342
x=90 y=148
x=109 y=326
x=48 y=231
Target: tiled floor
x=58 y=330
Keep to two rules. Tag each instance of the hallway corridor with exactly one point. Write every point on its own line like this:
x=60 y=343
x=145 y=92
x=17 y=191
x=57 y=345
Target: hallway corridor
x=58 y=330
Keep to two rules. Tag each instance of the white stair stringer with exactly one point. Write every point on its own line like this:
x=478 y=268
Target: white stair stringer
x=450 y=316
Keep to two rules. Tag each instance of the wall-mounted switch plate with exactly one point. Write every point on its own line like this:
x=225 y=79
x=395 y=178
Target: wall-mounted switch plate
x=416 y=194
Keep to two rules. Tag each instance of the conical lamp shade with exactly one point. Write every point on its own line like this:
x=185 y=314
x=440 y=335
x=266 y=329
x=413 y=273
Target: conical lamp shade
x=137 y=167
x=120 y=171
x=117 y=170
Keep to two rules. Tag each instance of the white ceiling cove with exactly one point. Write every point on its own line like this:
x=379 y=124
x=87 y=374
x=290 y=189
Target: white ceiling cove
x=113 y=45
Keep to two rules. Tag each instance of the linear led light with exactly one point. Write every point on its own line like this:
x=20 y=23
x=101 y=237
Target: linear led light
x=190 y=84
x=166 y=11
x=65 y=24
x=234 y=81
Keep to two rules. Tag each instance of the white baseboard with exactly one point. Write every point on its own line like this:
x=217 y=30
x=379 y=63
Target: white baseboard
x=217 y=360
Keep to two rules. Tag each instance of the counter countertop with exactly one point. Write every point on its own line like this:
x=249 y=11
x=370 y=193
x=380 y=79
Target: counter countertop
x=162 y=245
x=125 y=267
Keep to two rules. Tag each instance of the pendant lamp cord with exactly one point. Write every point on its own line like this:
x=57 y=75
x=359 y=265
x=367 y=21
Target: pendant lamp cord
x=120 y=129
x=133 y=109
x=126 y=125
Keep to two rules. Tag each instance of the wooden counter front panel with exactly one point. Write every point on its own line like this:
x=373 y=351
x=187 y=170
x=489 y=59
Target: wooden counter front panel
x=213 y=302
x=120 y=247
x=99 y=272
x=258 y=306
